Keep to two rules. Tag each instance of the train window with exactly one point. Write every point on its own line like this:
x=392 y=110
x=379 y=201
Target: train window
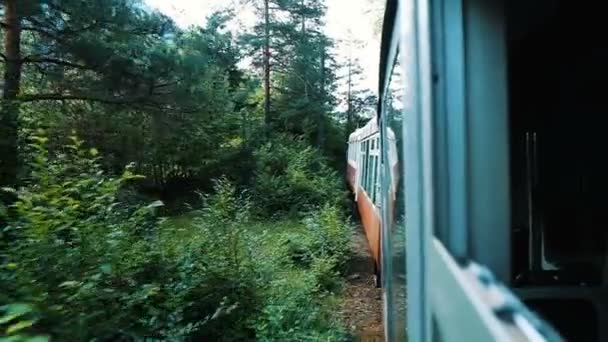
x=394 y=197
x=367 y=167
x=362 y=165
x=376 y=190
x=372 y=181
x=363 y=158
x=558 y=72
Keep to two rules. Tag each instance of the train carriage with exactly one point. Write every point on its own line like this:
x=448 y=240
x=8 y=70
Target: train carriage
x=363 y=177
x=481 y=190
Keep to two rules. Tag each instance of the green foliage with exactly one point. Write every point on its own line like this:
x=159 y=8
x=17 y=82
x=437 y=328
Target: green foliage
x=143 y=91
x=299 y=303
x=294 y=312
x=217 y=277
x=97 y=268
x=81 y=241
x=291 y=177
x=332 y=235
x=15 y=321
x=82 y=257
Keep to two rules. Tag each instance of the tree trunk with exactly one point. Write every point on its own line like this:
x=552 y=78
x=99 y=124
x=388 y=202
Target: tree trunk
x=267 y=63
x=303 y=20
x=10 y=108
x=349 y=109
x=321 y=123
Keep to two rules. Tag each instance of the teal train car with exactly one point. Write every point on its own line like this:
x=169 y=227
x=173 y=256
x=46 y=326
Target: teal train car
x=483 y=171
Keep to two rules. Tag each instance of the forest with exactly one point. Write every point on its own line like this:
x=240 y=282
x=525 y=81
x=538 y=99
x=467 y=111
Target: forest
x=168 y=183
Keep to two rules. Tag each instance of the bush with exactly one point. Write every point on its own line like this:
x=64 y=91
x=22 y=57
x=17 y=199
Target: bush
x=291 y=177
x=92 y=266
x=69 y=236
x=95 y=267
x=299 y=302
x=296 y=311
x=331 y=234
x=15 y=320
x=217 y=275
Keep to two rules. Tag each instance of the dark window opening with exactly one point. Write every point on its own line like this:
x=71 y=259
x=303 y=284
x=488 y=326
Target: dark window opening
x=558 y=63
x=577 y=323
x=558 y=105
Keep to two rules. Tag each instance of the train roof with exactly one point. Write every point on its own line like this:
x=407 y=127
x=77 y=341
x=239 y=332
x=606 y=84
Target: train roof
x=370 y=128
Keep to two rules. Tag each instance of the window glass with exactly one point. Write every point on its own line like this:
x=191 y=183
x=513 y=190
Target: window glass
x=372 y=179
x=375 y=180
x=367 y=167
x=394 y=191
x=364 y=163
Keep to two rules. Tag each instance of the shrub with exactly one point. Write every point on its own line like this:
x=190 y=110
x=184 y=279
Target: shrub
x=15 y=321
x=331 y=235
x=88 y=262
x=296 y=311
x=97 y=268
x=299 y=302
x=218 y=277
x=291 y=177
x=94 y=267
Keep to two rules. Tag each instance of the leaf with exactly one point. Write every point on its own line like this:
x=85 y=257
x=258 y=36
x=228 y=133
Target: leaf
x=69 y=283
x=41 y=140
x=38 y=339
x=106 y=268
x=19 y=326
x=93 y=151
x=8 y=189
x=12 y=311
x=155 y=204
x=128 y=175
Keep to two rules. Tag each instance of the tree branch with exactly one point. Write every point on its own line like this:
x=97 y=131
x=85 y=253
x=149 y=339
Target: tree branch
x=70 y=97
x=41 y=31
x=31 y=59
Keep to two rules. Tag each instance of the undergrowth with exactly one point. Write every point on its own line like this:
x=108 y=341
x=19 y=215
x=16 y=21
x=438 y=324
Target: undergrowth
x=81 y=263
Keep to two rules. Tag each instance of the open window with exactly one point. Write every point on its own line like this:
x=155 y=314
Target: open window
x=558 y=70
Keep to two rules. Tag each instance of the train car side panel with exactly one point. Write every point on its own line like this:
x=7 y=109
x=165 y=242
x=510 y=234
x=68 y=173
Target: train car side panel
x=351 y=175
x=371 y=224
